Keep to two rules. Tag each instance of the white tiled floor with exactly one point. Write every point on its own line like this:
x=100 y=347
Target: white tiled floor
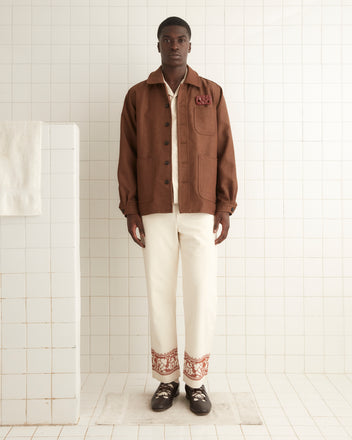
x=292 y=406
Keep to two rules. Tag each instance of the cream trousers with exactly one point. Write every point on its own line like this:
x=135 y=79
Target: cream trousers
x=167 y=234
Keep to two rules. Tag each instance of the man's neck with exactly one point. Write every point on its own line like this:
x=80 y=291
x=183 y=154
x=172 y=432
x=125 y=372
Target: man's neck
x=173 y=76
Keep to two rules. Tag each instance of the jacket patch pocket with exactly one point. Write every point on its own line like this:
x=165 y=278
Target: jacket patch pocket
x=145 y=174
x=205 y=119
x=207 y=176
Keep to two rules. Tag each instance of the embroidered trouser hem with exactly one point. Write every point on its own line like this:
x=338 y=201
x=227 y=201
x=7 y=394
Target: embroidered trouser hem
x=165 y=368
x=195 y=370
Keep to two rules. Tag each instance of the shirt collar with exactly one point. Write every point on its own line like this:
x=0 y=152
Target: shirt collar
x=192 y=77
x=169 y=90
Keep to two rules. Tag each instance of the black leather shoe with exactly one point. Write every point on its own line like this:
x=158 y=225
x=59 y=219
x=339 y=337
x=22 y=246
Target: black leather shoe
x=164 y=395
x=199 y=400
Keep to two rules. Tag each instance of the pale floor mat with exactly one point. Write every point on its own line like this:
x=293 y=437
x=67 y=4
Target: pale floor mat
x=132 y=408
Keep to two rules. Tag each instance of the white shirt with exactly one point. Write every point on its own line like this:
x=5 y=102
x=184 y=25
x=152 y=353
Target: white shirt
x=174 y=141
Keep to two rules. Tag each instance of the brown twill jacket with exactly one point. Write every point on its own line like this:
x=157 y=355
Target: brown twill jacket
x=207 y=180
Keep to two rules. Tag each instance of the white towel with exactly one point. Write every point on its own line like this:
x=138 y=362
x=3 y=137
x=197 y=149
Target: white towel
x=20 y=167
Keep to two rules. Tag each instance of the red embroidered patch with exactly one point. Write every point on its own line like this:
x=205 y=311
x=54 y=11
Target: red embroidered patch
x=165 y=363
x=203 y=99
x=196 y=368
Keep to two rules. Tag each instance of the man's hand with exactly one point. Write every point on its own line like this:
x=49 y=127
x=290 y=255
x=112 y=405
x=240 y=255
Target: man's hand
x=134 y=221
x=223 y=218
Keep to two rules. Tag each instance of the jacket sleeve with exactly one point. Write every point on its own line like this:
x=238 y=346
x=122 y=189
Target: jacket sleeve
x=226 y=187
x=127 y=165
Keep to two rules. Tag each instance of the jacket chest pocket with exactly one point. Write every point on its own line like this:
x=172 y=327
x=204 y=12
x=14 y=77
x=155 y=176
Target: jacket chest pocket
x=145 y=173
x=205 y=120
x=207 y=177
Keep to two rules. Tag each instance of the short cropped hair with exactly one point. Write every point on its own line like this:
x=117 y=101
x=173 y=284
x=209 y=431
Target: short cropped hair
x=174 y=21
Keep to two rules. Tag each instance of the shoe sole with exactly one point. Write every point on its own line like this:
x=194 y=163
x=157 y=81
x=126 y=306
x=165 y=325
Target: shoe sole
x=195 y=412
x=165 y=408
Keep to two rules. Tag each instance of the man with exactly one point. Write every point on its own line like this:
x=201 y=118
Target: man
x=177 y=184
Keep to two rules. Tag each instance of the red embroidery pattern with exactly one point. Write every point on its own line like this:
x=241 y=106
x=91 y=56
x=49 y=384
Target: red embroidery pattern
x=165 y=363
x=203 y=99
x=196 y=368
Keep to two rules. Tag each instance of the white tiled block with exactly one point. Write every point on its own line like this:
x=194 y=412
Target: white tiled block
x=45 y=161
x=64 y=360
x=66 y=411
x=62 y=234
x=39 y=411
x=64 y=309
x=62 y=284
x=62 y=136
x=62 y=210
x=38 y=309
x=63 y=385
x=13 y=286
x=13 y=411
x=45 y=136
x=63 y=260
x=64 y=335
x=37 y=260
x=39 y=335
x=13 y=361
x=13 y=260
x=62 y=161
x=13 y=310
x=13 y=386
x=38 y=235
x=13 y=335
x=39 y=360
x=62 y=186
x=12 y=236
x=45 y=216
x=38 y=284
x=39 y=386
x=45 y=188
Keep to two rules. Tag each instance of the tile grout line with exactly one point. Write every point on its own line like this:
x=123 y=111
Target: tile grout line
x=278 y=399
x=323 y=399
x=343 y=292
x=302 y=401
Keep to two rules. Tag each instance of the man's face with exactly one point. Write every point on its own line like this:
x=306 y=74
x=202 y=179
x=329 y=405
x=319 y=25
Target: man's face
x=174 y=46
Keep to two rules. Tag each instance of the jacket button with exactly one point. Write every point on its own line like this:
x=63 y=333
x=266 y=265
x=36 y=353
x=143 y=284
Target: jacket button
x=232 y=209
x=166 y=162
x=166 y=143
x=166 y=181
x=167 y=124
x=167 y=105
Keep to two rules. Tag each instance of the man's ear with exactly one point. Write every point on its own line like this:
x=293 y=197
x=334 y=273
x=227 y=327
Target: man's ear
x=189 y=47
x=158 y=46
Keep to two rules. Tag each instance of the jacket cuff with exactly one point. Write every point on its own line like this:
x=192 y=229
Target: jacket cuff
x=130 y=208
x=225 y=206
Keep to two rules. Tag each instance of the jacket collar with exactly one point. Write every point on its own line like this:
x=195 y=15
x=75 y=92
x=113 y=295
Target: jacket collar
x=192 y=77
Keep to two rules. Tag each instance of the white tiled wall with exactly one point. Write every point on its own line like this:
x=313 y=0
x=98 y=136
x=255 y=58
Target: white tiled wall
x=40 y=294
x=285 y=289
